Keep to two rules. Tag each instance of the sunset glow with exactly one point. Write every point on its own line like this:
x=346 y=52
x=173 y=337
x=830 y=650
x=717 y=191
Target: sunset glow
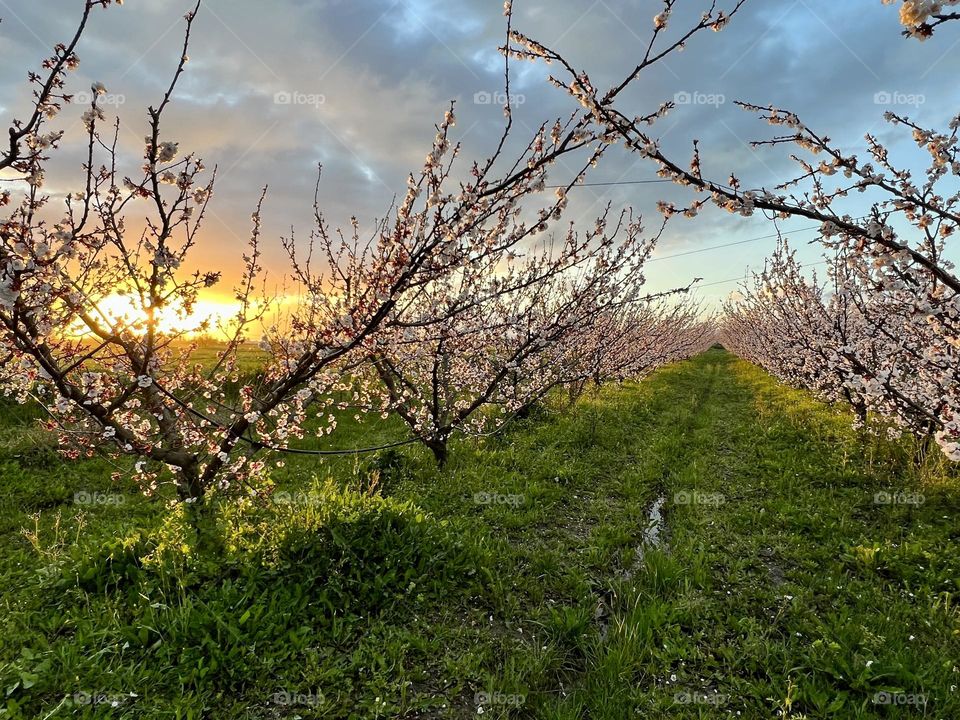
x=208 y=316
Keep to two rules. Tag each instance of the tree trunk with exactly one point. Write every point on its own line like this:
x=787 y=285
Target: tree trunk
x=574 y=391
x=924 y=447
x=861 y=409
x=524 y=412
x=189 y=486
x=439 y=449
x=199 y=510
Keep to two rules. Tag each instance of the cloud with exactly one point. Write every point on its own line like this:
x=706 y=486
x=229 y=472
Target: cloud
x=368 y=79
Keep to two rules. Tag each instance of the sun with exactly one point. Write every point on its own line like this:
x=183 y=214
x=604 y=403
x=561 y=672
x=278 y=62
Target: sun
x=207 y=316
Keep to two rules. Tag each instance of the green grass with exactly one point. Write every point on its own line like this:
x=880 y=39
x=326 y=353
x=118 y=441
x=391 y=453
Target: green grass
x=516 y=579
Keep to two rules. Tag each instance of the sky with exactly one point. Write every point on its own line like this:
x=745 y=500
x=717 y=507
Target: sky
x=274 y=88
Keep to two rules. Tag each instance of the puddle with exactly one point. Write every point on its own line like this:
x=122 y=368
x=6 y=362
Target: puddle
x=653 y=535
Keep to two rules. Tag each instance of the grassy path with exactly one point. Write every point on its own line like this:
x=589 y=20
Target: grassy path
x=519 y=582
x=785 y=586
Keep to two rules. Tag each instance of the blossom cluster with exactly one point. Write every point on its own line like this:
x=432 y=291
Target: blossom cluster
x=920 y=17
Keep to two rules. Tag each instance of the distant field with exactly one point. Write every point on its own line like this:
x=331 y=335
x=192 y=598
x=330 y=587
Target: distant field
x=250 y=357
x=783 y=577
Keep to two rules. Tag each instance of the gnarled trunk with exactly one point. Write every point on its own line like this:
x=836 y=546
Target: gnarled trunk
x=438 y=446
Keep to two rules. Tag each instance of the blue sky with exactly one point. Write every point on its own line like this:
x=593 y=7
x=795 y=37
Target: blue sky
x=368 y=79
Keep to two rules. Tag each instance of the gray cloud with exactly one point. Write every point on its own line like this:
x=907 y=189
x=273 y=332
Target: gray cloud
x=367 y=80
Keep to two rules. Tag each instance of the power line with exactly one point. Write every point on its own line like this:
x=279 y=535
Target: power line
x=744 y=242
x=711 y=247
x=731 y=244
x=721 y=282
x=783 y=233
x=698 y=250
x=607 y=184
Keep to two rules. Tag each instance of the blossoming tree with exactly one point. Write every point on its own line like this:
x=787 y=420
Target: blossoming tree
x=513 y=329
x=895 y=248
x=630 y=342
x=847 y=342
x=130 y=382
